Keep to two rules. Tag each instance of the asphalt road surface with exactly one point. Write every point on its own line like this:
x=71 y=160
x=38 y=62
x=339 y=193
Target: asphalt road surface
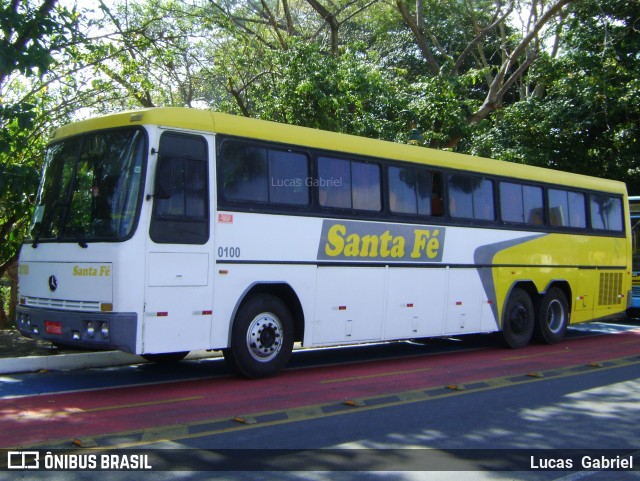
x=463 y=408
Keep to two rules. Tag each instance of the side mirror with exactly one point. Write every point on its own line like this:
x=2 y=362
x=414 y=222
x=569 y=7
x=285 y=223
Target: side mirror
x=164 y=178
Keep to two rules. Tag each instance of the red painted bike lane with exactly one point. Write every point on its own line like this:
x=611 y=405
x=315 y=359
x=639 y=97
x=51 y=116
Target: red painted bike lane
x=38 y=419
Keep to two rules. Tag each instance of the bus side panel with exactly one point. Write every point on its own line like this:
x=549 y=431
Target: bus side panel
x=464 y=301
x=583 y=296
x=233 y=283
x=610 y=297
x=349 y=304
x=415 y=302
x=593 y=267
x=178 y=302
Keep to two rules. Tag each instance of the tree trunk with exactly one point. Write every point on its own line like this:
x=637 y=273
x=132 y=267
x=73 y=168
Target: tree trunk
x=3 y=314
x=13 y=297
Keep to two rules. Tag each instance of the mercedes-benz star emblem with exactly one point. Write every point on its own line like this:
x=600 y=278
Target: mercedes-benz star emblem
x=53 y=283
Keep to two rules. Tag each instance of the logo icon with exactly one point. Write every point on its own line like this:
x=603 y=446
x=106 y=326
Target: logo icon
x=53 y=283
x=23 y=460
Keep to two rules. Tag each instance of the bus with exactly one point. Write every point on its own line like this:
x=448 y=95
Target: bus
x=634 y=211
x=163 y=231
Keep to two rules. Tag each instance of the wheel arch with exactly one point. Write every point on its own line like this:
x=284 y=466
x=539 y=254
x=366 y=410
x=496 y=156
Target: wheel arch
x=530 y=287
x=565 y=287
x=282 y=291
x=526 y=285
x=553 y=312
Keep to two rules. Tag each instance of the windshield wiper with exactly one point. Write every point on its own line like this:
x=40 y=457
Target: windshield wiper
x=78 y=234
x=37 y=235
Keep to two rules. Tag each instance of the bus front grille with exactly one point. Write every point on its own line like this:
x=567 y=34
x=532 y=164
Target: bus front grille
x=64 y=304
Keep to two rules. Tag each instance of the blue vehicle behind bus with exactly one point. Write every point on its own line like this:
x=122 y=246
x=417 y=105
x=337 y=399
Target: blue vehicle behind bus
x=634 y=209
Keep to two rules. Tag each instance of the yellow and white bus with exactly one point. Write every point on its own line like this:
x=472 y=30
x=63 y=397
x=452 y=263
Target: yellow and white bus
x=163 y=231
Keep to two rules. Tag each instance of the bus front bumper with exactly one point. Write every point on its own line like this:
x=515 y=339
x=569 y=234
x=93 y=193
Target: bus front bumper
x=87 y=330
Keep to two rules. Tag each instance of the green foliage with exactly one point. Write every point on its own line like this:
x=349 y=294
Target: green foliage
x=30 y=37
x=587 y=121
x=349 y=93
x=441 y=117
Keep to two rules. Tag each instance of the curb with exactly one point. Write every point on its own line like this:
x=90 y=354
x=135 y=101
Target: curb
x=71 y=362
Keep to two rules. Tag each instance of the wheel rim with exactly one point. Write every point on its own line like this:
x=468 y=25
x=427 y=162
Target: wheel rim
x=555 y=316
x=519 y=319
x=264 y=337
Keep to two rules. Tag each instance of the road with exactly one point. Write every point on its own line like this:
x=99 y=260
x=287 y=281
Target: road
x=351 y=413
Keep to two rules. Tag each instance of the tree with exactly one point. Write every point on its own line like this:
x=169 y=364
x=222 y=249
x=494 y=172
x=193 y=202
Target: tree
x=30 y=37
x=472 y=52
x=586 y=120
x=307 y=85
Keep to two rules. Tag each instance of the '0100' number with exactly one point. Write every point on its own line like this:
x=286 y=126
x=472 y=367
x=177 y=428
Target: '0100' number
x=229 y=252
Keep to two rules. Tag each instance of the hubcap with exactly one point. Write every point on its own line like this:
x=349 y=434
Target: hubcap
x=264 y=337
x=519 y=319
x=555 y=316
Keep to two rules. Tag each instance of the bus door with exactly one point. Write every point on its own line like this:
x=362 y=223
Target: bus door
x=178 y=297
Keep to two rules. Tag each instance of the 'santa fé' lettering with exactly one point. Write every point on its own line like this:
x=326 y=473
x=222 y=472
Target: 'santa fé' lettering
x=369 y=241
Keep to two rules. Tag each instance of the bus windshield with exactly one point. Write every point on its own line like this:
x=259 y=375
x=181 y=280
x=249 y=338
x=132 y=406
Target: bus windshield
x=90 y=188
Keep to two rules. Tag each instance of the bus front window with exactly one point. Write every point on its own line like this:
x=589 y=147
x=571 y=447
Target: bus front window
x=91 y=188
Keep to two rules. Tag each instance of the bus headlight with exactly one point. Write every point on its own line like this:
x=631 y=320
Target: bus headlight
x=91 y=330
x=104 y=329
x=24 y=320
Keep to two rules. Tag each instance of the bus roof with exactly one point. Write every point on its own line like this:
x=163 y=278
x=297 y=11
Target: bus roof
x=216 y=122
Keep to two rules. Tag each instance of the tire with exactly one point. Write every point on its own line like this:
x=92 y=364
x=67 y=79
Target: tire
x=261 y=337
x=166 y=357
x=552 y=317
x=518 y=319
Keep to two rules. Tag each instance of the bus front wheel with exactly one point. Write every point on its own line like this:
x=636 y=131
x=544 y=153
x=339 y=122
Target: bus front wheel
x=261 y=337
x=553 y=317
x=518 y=320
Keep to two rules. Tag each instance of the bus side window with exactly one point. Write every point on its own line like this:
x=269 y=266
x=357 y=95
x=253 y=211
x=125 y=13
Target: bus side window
x=402 y=194
x=347 y=184
x=521 y=203
x=243 y=172
x=437 y=203
x=365 y=186
x=533 y=205
x=471 y=197
x=414 y=191
x=567 y=209
x=288 y=177
x=334 y=182
x=606 y=212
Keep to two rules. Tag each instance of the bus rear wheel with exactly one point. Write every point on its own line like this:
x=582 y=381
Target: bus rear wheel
x=553 y=317
x=261 y=337
x=518 y=320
